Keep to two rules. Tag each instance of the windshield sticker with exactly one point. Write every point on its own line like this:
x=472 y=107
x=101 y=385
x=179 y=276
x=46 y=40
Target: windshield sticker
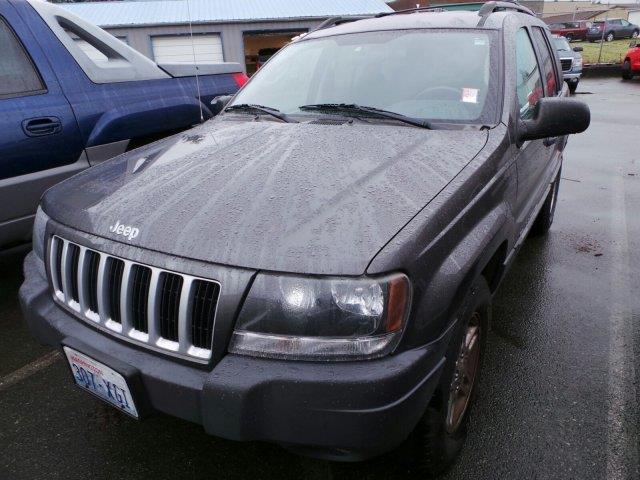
x=470 y=95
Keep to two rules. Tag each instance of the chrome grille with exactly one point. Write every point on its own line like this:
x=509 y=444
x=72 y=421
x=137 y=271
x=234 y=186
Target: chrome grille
x=566 y=64
x=164 y=310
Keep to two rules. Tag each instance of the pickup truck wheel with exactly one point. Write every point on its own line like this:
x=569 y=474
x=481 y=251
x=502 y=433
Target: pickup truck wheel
x=626 y=70
x=437 y=439
x=543 y=221
x=569 y=38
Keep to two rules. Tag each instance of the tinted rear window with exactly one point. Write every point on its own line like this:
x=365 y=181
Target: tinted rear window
x=17 y=74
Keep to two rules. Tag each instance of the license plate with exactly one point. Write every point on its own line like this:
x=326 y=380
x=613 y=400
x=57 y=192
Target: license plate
x=102 y=381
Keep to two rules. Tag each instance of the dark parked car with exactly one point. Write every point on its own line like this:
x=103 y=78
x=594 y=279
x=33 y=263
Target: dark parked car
x=315 y=266
x=571 y=30
x=612 y=29
x=71 y=96
x=570 y=62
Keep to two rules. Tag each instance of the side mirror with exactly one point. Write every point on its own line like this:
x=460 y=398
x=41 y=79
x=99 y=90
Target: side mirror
x=555 y=117
x=578 y=49
x=218 y=103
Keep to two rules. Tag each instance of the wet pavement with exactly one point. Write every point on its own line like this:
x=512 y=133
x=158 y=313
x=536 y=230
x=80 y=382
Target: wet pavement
x=559 y=394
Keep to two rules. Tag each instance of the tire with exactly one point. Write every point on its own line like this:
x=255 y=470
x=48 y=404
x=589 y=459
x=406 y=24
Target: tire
x=591 y=41
x=569 y=38
x=573 y=86
x=437 y=439
x=610 y=37
x=543 y=221
x=626 y=70
x=635 y=34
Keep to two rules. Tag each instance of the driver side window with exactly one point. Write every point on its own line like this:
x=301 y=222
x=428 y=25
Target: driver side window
x=528 y=81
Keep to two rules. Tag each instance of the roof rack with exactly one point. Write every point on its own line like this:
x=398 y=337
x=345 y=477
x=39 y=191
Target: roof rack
x=333 y=21
x=490 y=7
x=484 y=9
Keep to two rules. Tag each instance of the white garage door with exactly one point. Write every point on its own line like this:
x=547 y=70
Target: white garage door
x=179 y=49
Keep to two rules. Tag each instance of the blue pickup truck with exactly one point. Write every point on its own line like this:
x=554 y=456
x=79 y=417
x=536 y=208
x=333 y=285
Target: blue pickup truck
x=64 y=109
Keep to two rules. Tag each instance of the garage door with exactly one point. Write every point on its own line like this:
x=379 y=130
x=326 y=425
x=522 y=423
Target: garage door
x=179 y=49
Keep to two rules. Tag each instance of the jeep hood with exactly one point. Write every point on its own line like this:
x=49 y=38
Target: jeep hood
x=305 y=198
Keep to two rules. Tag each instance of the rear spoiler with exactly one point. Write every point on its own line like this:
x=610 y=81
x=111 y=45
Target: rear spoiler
x=189 y=69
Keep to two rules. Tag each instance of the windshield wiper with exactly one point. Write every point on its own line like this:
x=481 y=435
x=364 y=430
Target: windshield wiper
x=248 y=107
x=354 y=108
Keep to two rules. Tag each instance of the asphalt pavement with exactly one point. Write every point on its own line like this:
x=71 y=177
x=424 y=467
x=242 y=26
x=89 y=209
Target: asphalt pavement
x=559 y=393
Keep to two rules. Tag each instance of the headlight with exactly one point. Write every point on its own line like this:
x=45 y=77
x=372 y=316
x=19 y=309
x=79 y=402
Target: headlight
x=322 y=318
x=39 y=226
x=577 y=62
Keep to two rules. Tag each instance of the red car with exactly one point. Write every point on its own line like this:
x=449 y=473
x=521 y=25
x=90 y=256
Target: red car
x=571 y=30
x=631 y=64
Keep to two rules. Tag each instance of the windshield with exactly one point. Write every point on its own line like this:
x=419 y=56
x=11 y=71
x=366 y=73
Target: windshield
x=562 y=45
x=436 y=75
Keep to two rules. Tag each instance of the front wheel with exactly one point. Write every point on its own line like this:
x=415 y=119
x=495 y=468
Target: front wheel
x=569 y=38
x=610 y=37
x=573 y=86
x=626 y=70
x=441 y=432
x=543 y=221
x=635 y=34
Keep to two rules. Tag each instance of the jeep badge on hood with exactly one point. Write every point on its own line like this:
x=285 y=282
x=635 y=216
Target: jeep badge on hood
x=125 y=230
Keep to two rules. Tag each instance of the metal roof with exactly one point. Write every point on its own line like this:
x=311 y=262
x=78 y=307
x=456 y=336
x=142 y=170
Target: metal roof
x=111 y=14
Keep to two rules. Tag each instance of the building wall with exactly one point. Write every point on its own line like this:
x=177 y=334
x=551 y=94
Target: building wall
x=615 y=12
x=231 y=34
x=558 y=8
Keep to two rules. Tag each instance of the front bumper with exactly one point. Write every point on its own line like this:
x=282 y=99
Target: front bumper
x=573 y=76
x=339 y=410
x=595 y=36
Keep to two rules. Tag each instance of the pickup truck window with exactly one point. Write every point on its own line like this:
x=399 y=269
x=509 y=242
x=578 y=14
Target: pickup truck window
x=528 y=81
x=18 y=76
x=547 y=61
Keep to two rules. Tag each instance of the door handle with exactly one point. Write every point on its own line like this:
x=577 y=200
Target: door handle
x=37 y=127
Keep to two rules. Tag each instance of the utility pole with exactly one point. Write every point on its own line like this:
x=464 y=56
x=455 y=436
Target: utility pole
x=604 y=28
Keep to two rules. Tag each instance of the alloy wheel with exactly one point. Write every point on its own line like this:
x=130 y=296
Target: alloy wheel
x=464 y=376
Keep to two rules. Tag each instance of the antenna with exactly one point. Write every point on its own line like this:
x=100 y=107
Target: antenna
x=195 y=61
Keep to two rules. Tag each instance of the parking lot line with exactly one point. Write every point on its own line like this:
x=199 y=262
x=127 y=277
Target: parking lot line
x=622 y=453
x=28 y=370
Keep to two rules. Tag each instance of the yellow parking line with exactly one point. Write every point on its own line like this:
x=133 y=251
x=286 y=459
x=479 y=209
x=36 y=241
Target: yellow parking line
x=28 y=370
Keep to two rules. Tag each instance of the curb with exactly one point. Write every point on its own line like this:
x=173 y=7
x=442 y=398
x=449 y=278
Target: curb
x=600 y=69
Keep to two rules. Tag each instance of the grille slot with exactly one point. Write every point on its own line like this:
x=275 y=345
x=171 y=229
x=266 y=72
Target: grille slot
x=566 y=64
x=140 y=283
x=204 y=300
x=72 y=266
x=170 y=289
x=93 y=262
x=165 y=311
x=115 y=271
x=56 y=248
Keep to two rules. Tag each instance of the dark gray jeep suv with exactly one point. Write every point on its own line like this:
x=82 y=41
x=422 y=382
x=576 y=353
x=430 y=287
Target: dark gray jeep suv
x=314 y=267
